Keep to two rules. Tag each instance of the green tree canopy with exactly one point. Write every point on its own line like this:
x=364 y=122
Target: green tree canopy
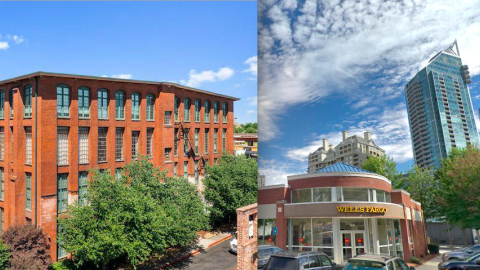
x=459 y=190
x=247 y=128
x=141 y=214
x=385 y=166
x=424 y=188
x=230 y=185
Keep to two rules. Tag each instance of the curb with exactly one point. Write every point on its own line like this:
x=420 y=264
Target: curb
x=219 y=241
x=193 y=253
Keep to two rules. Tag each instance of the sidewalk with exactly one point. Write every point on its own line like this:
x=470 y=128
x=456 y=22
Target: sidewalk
x=210 y=242
x=432 y=264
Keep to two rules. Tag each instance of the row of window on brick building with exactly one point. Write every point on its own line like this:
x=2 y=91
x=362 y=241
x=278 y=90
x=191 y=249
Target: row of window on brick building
x=63 y=105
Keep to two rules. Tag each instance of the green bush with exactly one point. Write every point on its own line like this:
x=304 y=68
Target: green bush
x=415 y=260
x=433 y=248
x=63 y=265
x=4 y=256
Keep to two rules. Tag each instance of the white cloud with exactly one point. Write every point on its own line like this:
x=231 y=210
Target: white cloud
x=253 y=69
x=251 y=112
x=196 y=79
x=18 y=39
x=333 y=48
x=389 y=130
x=276 y=172
x=4 y=45
x=123 y=76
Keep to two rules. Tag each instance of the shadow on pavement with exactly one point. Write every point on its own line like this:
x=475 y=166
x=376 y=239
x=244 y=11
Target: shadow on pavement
x=176 y=257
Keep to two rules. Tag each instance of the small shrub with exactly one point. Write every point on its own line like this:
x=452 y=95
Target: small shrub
x=4 y=256
x=433 y=248
x=63 y=265
x=28 y=248
x=415 y=260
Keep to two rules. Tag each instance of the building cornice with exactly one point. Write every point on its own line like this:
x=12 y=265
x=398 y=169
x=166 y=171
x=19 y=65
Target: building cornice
x=343 y=174
x=73 y=76
x=274 y=186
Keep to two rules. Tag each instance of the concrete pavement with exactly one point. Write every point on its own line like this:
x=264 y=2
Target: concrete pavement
x=433 y=263
x=216 y=257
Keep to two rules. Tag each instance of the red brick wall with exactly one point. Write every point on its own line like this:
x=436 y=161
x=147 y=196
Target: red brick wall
x=246 y=246
x=340 y=181
x=47 y=169
x=270 y=196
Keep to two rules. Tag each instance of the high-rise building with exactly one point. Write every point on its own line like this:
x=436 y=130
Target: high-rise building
x=353 y=150
x=440 y=108
x=55 y=128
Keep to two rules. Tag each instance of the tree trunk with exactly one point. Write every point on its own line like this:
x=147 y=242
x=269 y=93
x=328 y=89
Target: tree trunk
x=465 y=238
x=477 y=234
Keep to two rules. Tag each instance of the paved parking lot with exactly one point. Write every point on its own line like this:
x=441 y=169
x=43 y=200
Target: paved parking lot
x=217 y=257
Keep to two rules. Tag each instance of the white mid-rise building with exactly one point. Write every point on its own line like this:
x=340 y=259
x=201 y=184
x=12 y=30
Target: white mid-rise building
x=353 y=150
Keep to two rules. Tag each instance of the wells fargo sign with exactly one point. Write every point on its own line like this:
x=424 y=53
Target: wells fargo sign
x=361 y=209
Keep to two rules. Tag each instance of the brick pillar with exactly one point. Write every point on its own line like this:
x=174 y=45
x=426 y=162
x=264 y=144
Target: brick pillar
x=246 y=245
x=281 y=225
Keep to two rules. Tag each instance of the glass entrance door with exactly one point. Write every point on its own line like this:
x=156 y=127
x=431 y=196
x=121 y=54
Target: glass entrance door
x=353 y=244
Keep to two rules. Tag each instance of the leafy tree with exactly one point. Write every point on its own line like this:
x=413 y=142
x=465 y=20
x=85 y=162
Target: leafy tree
x=458 y=194
x=28 y=248
x=385 y=166
x=132 y=218
x=4 y=256
x=424 y=188
x=230 y=185
x=247 y=128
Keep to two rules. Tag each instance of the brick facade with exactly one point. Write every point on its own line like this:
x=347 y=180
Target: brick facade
x=409 y=210
x=44 y=168
x=246 y=245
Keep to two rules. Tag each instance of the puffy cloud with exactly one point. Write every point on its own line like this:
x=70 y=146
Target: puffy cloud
x=196 y=79
x=389 y=130
x=354 y=49
x=123 y=76
x=4 y=45
x=253 y=70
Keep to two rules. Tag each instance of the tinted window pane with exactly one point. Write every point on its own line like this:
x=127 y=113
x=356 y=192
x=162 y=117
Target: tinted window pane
x=302 y=195
x=355 y=194
x=322 y=232
x=325 y=260
x=322 y=194
x=277 y=263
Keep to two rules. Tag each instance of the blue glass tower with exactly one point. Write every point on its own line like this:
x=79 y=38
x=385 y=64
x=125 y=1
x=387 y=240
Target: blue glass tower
x=440 y=109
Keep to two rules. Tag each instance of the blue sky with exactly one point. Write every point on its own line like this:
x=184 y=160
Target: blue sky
x=330 y=65
x=208 y=45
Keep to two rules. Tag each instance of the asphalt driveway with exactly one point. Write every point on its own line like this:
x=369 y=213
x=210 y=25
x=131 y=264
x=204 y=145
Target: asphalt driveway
x=217 y=257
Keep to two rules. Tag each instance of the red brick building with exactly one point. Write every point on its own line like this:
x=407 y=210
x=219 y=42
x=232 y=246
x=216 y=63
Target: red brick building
x=343 y=211
x=54 y=128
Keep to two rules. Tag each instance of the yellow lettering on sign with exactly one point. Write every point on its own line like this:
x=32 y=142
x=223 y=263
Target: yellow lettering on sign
x=361 y=209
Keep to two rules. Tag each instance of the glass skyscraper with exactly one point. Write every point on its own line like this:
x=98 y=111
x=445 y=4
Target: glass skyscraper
x=440 y=109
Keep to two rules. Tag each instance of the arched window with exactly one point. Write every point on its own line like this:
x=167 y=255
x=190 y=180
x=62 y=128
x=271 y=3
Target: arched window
x=63 y=100
x=27 y=101
x=102 y=104
x=83 y=102
x=186 y=110
x=216 y=108
x=208 y=107
x=135 y=106
x=10 y=102
x=197 y=110
x=120 y=105
x=2 y=104
x=175 y=109
x=225 y=111
x=150 y=107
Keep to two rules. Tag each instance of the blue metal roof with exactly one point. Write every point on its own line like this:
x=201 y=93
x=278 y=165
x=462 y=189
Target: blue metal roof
x=342 y=167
